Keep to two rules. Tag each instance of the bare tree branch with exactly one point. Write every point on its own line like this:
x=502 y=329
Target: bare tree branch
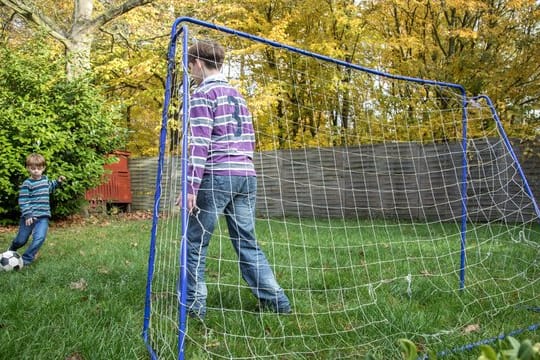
x=35 y=16
x=113 y=13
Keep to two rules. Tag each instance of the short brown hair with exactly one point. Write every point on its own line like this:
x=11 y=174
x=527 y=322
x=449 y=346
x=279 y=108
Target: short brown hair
x=211 y=53
x=35 y=160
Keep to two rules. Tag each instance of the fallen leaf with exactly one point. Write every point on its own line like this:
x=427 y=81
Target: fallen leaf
x=75 y=356
x=471 y=328
x=103 y=270
x=79 y=285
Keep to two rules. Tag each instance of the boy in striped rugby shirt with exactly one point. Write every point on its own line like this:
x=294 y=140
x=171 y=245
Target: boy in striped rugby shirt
x=35 y=207
x=222 y=179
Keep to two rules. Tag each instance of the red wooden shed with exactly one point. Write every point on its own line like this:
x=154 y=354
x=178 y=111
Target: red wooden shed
x=117 y=187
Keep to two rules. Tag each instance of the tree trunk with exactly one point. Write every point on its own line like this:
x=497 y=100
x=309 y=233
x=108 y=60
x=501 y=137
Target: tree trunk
x=78 y=48
x=78 y=41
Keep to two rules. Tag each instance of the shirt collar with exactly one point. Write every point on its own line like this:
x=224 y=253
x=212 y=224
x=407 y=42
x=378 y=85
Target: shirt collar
x=215 y=77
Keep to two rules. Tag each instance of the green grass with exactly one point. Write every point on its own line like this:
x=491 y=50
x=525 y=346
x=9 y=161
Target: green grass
x=347 y=282
x=84 y=297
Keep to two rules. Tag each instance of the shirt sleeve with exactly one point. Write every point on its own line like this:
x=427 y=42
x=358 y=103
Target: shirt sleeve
x=201 y=120
x=53 y=185
x=24 y=201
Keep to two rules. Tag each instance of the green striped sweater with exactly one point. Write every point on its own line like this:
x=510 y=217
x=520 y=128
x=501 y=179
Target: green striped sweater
x=34 y=197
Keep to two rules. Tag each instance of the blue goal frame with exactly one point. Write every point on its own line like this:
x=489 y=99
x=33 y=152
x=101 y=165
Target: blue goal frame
x=179 y=31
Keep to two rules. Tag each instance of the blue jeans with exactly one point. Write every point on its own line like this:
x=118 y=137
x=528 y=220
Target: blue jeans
x=234 y=196
x=38 y=230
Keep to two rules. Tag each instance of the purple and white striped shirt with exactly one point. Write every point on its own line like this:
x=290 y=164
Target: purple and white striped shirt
x=222 y=137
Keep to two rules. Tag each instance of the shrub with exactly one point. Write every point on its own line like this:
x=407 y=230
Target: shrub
x=67 y=121
x=509 y=349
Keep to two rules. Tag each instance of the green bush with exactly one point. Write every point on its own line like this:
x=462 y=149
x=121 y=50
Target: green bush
x=509 y=349
x=66 y=121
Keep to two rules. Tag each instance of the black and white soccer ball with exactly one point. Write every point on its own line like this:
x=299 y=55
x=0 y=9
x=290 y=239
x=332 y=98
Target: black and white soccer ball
x=11 y=260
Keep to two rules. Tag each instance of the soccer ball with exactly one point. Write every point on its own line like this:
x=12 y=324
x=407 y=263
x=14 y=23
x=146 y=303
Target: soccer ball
x=11 y=260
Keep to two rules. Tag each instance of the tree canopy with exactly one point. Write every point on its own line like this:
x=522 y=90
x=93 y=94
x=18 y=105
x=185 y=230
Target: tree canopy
x=490 y=47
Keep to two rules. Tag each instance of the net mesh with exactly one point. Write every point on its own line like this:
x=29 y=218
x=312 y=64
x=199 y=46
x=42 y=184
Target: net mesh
x=360 y=213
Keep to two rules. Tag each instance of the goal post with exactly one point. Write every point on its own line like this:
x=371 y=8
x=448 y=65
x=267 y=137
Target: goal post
x=388 y=207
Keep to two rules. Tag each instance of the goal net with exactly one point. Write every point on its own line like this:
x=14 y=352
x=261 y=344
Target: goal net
x=388 y=207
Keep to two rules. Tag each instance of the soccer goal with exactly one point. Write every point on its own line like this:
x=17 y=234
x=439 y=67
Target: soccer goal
x=388 y=207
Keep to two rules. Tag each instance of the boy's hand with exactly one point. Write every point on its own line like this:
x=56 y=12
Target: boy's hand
x=29 y=221
x=61 y=178
x=191 y=203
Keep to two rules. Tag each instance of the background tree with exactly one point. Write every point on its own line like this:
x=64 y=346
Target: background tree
x=285 y=109
x=76 y=34
x=130 y=61
x=489 y=47
x=122 y=44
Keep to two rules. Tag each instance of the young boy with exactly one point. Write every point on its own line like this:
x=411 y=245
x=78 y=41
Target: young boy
x=34 y=203
x=222 y=179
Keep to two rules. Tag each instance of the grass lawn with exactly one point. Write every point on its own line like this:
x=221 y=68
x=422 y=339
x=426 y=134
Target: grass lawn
x=357 y=287
x=83 y=298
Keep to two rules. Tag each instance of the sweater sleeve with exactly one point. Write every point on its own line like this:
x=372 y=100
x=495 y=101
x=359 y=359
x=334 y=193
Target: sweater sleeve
x=25 y=202
x=53 y=184
x=201 y=124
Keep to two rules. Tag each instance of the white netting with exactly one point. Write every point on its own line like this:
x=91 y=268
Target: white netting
x=360 y=181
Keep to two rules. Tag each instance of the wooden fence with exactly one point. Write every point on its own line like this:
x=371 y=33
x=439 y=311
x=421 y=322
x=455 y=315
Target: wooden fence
x=400 y=180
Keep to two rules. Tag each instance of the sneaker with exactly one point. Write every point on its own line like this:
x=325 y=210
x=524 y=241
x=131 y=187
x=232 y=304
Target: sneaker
x=194 y=314
x=281 y=308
